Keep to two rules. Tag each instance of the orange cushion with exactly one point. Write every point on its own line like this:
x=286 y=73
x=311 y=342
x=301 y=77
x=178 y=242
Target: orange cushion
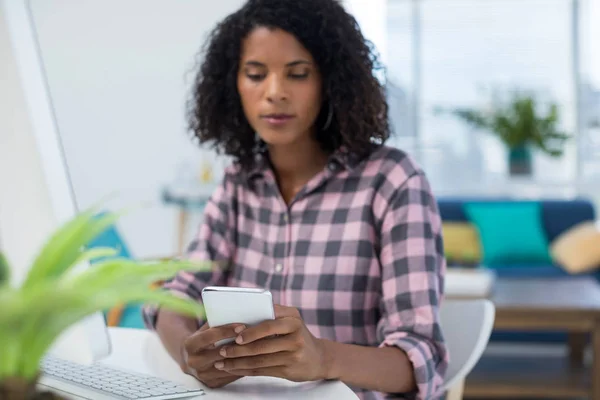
x=577 y=250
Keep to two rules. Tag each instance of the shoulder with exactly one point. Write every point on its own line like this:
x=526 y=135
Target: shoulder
x=235 y=176
x=390 y=168
x=227 y=186
x=397 y=182
x=236 y=183
x=232 y=172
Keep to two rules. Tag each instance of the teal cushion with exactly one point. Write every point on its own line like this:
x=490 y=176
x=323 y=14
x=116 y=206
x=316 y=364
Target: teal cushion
x=511 y=232
x=132 y=317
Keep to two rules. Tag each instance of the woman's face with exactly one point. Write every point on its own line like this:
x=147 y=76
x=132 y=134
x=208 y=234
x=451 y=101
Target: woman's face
x=279 y=86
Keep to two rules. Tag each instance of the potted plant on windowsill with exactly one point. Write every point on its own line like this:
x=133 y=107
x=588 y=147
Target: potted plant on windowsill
x=523 y=125
x=56 y=294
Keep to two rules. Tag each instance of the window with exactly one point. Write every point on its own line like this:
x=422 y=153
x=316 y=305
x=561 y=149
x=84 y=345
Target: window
x=452 y=53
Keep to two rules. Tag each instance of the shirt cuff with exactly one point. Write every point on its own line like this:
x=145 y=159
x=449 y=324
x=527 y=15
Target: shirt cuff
x=428 y=374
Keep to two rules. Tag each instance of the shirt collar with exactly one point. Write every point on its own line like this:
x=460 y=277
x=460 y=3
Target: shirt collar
x=341 y=157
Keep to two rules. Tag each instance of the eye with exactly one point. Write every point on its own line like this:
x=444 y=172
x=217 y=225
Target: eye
x=300 y=76
x=256 y=77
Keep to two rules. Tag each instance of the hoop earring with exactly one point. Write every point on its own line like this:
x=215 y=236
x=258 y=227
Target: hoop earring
x=329 y=118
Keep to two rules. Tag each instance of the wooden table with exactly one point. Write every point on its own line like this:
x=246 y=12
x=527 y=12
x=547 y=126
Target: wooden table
x=562 y=304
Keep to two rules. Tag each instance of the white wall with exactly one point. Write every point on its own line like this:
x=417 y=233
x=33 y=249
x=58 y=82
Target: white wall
x=372 y=18
x=119 y=73
x=594 y=34
x=26 y=215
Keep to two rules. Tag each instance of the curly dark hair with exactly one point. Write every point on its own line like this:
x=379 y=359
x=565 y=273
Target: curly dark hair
x=346 y=61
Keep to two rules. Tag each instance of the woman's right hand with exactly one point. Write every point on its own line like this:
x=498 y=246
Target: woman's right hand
x=199 y=354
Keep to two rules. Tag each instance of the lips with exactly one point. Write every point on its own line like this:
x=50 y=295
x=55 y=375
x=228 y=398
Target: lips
x=277 y=119
x=278 y=116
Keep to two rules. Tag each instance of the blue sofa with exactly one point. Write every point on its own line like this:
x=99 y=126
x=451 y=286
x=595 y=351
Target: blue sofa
x=557 y=217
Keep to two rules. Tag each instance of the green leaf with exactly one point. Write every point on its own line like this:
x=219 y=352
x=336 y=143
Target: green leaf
x=474 y=118
x=57 y=295
x=81 y=304
x=4 y=270
x=65 y=246
x=9 y=354
x=91 y=255
x=125 y=272
x=96 y=253
x=519 y=121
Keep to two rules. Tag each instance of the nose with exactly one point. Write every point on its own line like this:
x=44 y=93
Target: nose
x=276 y=90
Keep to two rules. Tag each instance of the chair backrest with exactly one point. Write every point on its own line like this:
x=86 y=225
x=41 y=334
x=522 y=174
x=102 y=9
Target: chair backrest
x=467 y=326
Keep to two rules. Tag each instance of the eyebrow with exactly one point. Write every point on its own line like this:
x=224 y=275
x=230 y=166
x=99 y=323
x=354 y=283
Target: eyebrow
x=290 y=64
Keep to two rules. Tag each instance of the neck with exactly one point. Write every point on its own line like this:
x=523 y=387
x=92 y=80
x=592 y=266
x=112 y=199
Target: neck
x=298 y=163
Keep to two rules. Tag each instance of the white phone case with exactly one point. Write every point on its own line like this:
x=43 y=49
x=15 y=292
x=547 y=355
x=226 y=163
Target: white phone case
x=231 y=305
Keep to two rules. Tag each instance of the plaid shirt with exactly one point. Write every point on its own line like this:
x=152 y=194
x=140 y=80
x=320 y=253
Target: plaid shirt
x=358 y=251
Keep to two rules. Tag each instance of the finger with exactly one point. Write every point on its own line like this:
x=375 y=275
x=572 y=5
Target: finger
x=184 y=350
x=201 y=340
x=262 y=346
x=213 y=377
x=277 y=372
x=213 y=374
x=220 y=382
x=204 y=327
x=283 y=326
x=283 y=311
x=255 y=362
x=204 y=360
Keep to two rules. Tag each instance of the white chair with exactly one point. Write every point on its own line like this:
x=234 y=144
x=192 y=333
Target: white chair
x=467 y=326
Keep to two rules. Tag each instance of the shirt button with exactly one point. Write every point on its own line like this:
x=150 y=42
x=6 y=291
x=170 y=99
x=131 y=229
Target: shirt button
x=279 y=268
x=286 y=219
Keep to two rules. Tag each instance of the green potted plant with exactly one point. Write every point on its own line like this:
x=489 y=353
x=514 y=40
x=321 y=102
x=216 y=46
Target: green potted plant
x=522 y=124
x=56 y=294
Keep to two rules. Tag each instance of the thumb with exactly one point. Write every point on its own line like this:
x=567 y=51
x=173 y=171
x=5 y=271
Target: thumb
x=283 y=311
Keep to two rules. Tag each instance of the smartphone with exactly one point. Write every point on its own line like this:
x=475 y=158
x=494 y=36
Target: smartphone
x=235 y=305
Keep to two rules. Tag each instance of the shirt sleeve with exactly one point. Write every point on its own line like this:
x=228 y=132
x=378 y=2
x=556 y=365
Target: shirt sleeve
x=213 y=242
x=413 y=268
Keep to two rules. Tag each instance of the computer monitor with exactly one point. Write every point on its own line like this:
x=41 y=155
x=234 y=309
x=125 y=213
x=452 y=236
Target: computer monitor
x=87 y=341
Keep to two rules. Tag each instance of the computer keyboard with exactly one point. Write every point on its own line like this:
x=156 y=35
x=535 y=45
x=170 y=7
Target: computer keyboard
x=102 y=381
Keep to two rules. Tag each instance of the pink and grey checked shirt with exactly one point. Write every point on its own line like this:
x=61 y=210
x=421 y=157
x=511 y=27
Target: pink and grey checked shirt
x=359 y=252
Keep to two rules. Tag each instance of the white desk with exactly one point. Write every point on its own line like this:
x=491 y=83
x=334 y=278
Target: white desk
x=142 y=351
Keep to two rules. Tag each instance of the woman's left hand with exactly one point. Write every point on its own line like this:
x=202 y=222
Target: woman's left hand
x=282 y=348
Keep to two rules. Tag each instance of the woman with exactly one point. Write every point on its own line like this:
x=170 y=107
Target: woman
x=343 y=230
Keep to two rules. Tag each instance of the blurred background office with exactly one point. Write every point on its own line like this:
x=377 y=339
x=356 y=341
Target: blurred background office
x=119 y=74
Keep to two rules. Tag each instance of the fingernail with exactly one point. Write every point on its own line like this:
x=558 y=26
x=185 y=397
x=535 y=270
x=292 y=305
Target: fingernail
x=223 y=352
x=239 y=329
x=239 y=340
x=219 y=365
